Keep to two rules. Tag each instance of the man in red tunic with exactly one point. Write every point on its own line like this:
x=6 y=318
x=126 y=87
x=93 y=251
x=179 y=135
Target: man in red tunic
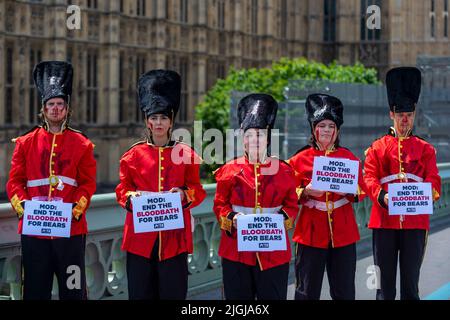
x=53 y=162
x=397 y=157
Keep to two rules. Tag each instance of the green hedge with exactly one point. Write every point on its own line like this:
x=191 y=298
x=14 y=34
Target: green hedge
x=214 y=110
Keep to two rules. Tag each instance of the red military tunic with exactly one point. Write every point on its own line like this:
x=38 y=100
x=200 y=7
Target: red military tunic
x=240 y=183
x=39 y=155
x=146 y=167
x=320 y=228
x=387 y=160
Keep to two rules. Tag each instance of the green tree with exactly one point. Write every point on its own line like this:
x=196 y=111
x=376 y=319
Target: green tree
x=214 y=110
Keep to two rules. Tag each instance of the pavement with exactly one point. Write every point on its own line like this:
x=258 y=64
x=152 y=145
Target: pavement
x=434 y=281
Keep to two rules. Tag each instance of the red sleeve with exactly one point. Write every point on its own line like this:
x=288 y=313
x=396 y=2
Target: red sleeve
x=17 y=183
x=193 y=189
x=222 y=206
x=361 y=191
x=86 y=178
x=431 y=171
x=290 y=207
x=300 y=180
x=372 y=174
x=126 y=183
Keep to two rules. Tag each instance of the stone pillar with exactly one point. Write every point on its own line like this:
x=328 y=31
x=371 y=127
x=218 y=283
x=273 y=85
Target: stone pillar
x=347 y=30
x=202 y=12
x=109 y=85
x=113 y=152
x=161 y=14
x=58 y=29
x=3 y=160
x=315 y=30
x=198 y=79
x=2 y=72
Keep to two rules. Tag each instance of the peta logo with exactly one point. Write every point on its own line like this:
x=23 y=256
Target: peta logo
x=159 y=225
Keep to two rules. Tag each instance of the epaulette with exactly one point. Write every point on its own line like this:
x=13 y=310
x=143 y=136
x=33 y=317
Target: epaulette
x=135 y=144
x=77 y=131
x=391 y=132
x=287 y=163
x=31 y=130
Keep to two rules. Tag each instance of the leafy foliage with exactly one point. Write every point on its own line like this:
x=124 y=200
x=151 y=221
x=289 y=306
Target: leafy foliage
x=214 y=110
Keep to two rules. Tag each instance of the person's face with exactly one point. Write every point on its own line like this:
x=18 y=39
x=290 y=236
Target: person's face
x=255 y=140
x=55 y=110
x=403 y=121
x=326 y=133
x=159 y=124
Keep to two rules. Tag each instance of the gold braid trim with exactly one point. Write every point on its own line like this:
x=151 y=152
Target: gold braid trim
x=190 y=195
x=436 y=195
x=226 y=224
x=288 y=224
x=15 y=201
x=79 y=208
x=299 y=191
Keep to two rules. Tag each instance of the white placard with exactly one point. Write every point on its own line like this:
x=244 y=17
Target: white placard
x=335 y=175
x=410 y=198
x=157 y=212
x=261 y=232
x=47 y=218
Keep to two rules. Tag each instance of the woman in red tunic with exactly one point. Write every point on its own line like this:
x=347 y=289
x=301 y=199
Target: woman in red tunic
x=252 y=184
x=326 y=231
x=157 y=261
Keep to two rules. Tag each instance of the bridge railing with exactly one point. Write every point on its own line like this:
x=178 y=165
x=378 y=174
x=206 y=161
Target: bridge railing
x=106 y=262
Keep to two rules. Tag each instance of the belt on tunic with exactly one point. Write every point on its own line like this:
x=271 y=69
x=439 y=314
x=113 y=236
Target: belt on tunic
x=322 y=206
x=252 y=210
x=53 y=181
x=400 y=176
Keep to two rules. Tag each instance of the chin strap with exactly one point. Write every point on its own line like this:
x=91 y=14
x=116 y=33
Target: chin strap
x=63 y=123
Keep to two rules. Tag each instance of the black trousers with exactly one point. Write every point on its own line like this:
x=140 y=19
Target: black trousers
x=244 y=282
x=151 y=279
x=44 y=258
x=310 y=266
x=390 y=246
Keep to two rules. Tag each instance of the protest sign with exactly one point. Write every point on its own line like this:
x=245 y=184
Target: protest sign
x=261 y=232
x=157 y=212
x=335 y=175
x=44 y=218
x=410 y=198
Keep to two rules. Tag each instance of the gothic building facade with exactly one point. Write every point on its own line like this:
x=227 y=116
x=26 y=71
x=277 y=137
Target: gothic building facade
x=117 y=40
